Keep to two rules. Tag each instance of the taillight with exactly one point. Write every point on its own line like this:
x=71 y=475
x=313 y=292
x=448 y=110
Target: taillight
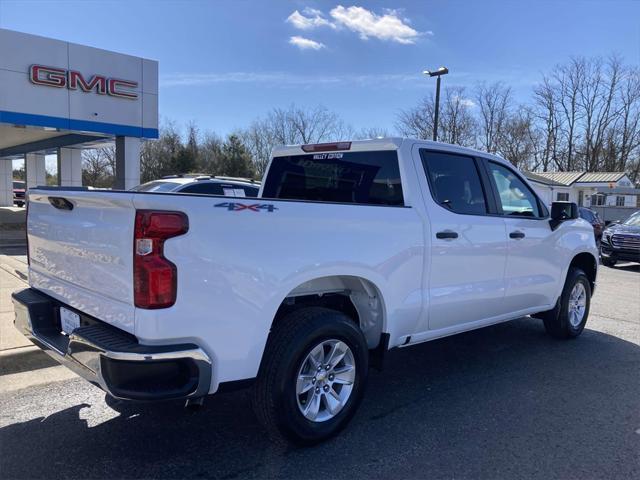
x=155 y=279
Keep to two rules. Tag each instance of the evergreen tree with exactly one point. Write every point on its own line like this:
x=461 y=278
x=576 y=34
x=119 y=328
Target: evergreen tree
x=235 y=159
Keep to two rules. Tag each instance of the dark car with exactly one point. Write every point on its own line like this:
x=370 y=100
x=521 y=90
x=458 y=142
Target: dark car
x=621 y=241
x=595 y=221
x=19 y=195
x=204 y=184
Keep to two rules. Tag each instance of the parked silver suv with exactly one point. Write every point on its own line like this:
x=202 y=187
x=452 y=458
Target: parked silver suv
x=204 y=184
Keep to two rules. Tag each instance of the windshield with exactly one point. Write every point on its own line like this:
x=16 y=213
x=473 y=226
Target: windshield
x=587 y=214
x=633 y=220
x=156 y=186
x=18 y=185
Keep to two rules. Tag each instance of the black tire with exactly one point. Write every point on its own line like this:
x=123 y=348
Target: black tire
x=556 y=321
x=608 y=261
x=274 y=394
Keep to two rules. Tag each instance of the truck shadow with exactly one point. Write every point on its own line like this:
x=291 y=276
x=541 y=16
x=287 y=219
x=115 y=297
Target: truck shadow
x=501 y=402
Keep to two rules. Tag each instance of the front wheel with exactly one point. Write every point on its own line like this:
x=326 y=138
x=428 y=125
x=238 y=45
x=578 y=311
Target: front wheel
x=607 y=261
x=569 y=317
x=312 y=376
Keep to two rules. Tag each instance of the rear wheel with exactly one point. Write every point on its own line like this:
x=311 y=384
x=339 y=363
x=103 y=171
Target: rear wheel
x=569 y=317
x=312 y=376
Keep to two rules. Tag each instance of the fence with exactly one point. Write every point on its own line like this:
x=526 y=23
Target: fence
x=609 y=213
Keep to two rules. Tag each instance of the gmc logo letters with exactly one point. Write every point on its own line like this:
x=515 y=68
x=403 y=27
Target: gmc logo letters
x=73 y=80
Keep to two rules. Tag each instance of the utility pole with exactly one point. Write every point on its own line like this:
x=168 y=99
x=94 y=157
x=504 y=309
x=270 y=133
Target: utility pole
x=436 y=73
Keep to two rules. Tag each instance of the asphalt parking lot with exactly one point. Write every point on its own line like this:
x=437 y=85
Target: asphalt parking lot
x=502 y=402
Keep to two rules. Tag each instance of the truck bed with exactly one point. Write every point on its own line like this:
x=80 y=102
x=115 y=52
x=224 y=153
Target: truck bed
x=239 y=259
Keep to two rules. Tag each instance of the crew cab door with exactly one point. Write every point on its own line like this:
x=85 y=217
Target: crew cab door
x=467 y=243
x=534 y=261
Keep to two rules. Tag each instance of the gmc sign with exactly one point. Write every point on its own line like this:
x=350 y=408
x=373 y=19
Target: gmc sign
x=73 y=80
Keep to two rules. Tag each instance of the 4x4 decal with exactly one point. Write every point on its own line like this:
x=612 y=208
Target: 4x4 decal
x=254 y=207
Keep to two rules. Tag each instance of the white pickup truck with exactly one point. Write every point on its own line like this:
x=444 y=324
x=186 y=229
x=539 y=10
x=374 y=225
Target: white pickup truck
x=351 y=249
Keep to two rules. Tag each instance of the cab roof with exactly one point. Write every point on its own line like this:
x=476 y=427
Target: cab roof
x=386 y=143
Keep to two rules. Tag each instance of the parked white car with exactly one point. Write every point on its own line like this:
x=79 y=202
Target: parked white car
x=354 y=248
x=205 y=184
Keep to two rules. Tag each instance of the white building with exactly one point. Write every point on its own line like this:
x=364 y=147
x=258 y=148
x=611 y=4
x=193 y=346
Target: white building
x=59 y=97
x=587 y=189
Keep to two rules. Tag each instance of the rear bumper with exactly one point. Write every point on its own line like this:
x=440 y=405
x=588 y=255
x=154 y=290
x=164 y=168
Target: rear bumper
x=111 y=358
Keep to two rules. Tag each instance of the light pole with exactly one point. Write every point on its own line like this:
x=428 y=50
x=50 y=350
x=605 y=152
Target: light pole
x=436 y=73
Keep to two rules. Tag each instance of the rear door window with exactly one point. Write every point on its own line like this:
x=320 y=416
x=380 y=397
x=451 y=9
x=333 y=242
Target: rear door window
x=371 y=178
x=454 y=182
x=226 y=189
x=251 y=191
x=156 y=186
x=204 y=188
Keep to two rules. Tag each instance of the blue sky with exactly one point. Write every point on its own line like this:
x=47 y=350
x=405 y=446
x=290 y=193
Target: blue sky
x=222 y=63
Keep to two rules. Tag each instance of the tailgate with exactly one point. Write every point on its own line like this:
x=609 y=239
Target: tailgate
x=81 y=251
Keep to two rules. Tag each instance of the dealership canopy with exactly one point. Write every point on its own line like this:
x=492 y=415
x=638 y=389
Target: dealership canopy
x=59 y=98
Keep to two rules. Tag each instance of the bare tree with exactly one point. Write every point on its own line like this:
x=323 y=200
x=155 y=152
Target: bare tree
x=456 y=123
x=494 y=103
x=417 y=122
x=569 y=80
x=518 y=142
x=290 y=126
x=209 y=152
x=547 y=115
x=296 y=125
x=371 y=132
x=157 y=158
x=110 y=153
x=260 y=140
x=98 y=167
x=622 y=141
x=597 y=101
x=588 y=117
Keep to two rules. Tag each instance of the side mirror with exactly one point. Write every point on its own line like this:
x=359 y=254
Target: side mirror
x=562 y=211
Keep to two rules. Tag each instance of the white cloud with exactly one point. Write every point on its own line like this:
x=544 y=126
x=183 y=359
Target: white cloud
x=311 y=19
x=305 y=43
x=284 y=79
x=367 y=24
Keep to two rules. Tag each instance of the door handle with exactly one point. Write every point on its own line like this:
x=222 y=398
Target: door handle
x=447 y=235
x=517 y=235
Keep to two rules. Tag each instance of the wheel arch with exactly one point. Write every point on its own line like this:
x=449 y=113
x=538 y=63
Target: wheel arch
x=588 y=263
x=357 y=297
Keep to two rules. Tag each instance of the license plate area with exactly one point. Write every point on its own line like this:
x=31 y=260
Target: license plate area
x=69 y=321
